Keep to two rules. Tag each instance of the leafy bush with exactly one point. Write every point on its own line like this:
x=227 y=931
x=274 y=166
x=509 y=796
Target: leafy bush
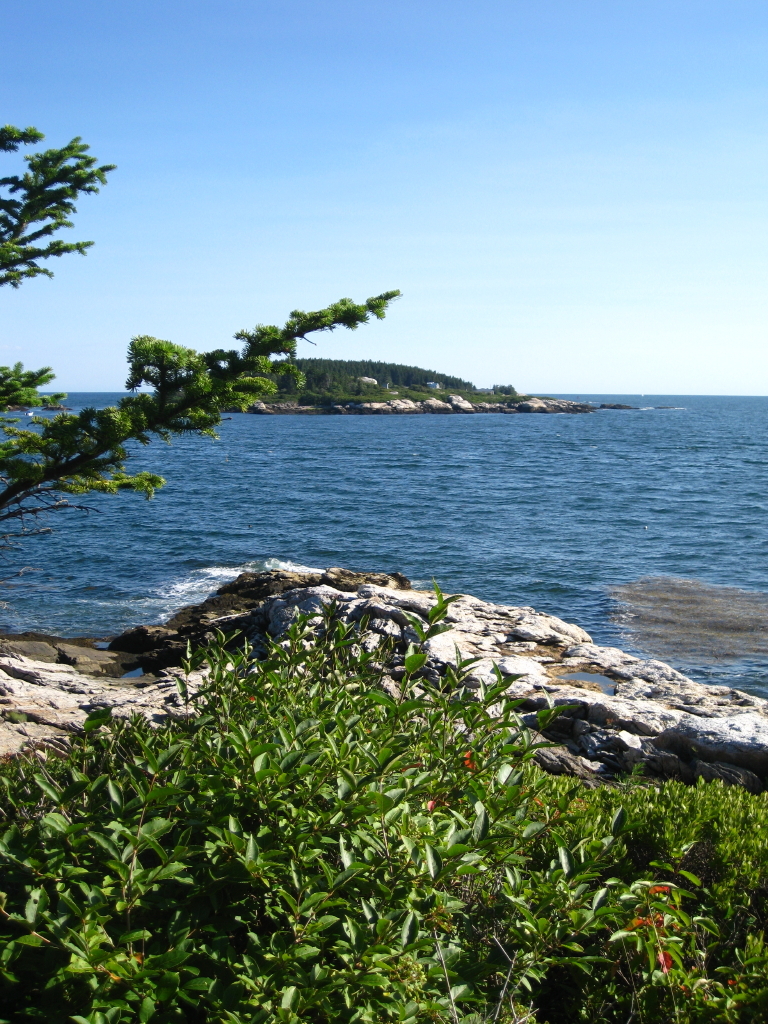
x=315 y=847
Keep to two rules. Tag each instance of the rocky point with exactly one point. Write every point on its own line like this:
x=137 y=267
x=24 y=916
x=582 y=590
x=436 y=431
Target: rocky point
x=621 y=714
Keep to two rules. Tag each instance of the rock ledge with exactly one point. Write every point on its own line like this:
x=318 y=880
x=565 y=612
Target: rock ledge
x=621 y=713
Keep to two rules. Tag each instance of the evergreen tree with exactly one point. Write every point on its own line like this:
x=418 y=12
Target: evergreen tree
x=74 y=454
x=18 y=387
x=55 y=458
x=344 y=375
x=39 y=203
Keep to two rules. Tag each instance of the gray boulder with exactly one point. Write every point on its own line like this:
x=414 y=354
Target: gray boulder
x=737 y=739
x=727 y=773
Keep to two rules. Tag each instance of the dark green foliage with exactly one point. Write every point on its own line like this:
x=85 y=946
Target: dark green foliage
x=18 y=387
x=263 y=340
x=11 y=138
x=77 y=454
x=342 y=375
x=40 y=202
x=312 y=848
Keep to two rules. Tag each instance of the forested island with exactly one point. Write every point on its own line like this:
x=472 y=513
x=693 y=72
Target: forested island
x=372 y=380
x=368 y=386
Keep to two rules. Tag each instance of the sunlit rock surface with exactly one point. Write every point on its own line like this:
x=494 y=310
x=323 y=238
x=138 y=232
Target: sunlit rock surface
x=620 y=712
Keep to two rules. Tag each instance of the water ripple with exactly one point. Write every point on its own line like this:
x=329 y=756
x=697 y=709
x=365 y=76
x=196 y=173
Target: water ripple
x=559 y=512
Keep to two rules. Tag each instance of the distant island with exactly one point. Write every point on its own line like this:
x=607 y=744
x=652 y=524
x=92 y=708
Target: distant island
x=340 y=380
x=366 y=386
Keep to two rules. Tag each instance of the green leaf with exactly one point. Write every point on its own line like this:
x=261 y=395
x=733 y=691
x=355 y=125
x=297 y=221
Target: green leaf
x=172 y=869
x=482 y=824
x=56 y=822
x=382 y=698
x=392 y=815
x=417 y=626
x=291 y=759
x=156 y=827
x=149 y=756
x=599 y=898
x=354 y=933
x=374 y=980
x=691 y=877
x=199 y=984
x=115 y=796
x=369 y=911
x=566 y=861
x=434 y=863
x=437 y=629
x=74 y=790
x=166 y=986
x=138 y=935
x=312 y=901
x=50 y=790
x=146 y=1010
x=618 y=822
x=97 y=718
x=167 y=961
x=251 y=852
x=409 y=931
x=533 y=829
x=413 y=662
x=290 y=998
x=458 y=837
x=707 y=924
x=36 y=897
x=167 y=754
x=350 y=872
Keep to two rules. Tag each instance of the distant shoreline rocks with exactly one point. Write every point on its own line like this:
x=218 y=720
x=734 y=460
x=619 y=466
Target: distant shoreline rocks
x=452 y=404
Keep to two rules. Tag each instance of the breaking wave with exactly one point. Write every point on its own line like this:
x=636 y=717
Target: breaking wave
x=201 y=583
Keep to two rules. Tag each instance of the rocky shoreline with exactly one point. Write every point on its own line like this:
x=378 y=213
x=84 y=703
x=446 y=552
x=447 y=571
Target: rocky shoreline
x=621 y=714
x=399 y=406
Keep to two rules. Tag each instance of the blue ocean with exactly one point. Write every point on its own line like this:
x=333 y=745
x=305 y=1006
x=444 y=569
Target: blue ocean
x=648 y=527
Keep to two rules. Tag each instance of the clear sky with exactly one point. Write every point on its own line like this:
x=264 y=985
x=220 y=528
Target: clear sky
x=571 y=194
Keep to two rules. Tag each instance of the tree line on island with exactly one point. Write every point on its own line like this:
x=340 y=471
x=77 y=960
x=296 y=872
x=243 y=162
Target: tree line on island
x=337 y=379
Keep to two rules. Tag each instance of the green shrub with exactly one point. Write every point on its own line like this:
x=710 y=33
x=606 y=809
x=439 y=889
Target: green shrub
x=311 y=848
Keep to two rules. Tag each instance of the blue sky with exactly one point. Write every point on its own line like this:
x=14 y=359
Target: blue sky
x=570 y=194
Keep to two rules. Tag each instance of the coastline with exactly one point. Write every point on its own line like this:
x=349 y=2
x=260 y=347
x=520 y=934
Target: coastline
x=453 y=404
x=620 y=714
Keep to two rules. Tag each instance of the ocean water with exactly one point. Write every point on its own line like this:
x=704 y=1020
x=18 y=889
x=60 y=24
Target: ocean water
x=629 y=523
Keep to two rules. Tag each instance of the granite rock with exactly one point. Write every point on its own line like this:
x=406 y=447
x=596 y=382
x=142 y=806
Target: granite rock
x=618 y=711
x=399 y=406
x=42 y=702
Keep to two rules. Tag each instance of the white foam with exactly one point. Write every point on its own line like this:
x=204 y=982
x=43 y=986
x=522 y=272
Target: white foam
x=201 y=583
